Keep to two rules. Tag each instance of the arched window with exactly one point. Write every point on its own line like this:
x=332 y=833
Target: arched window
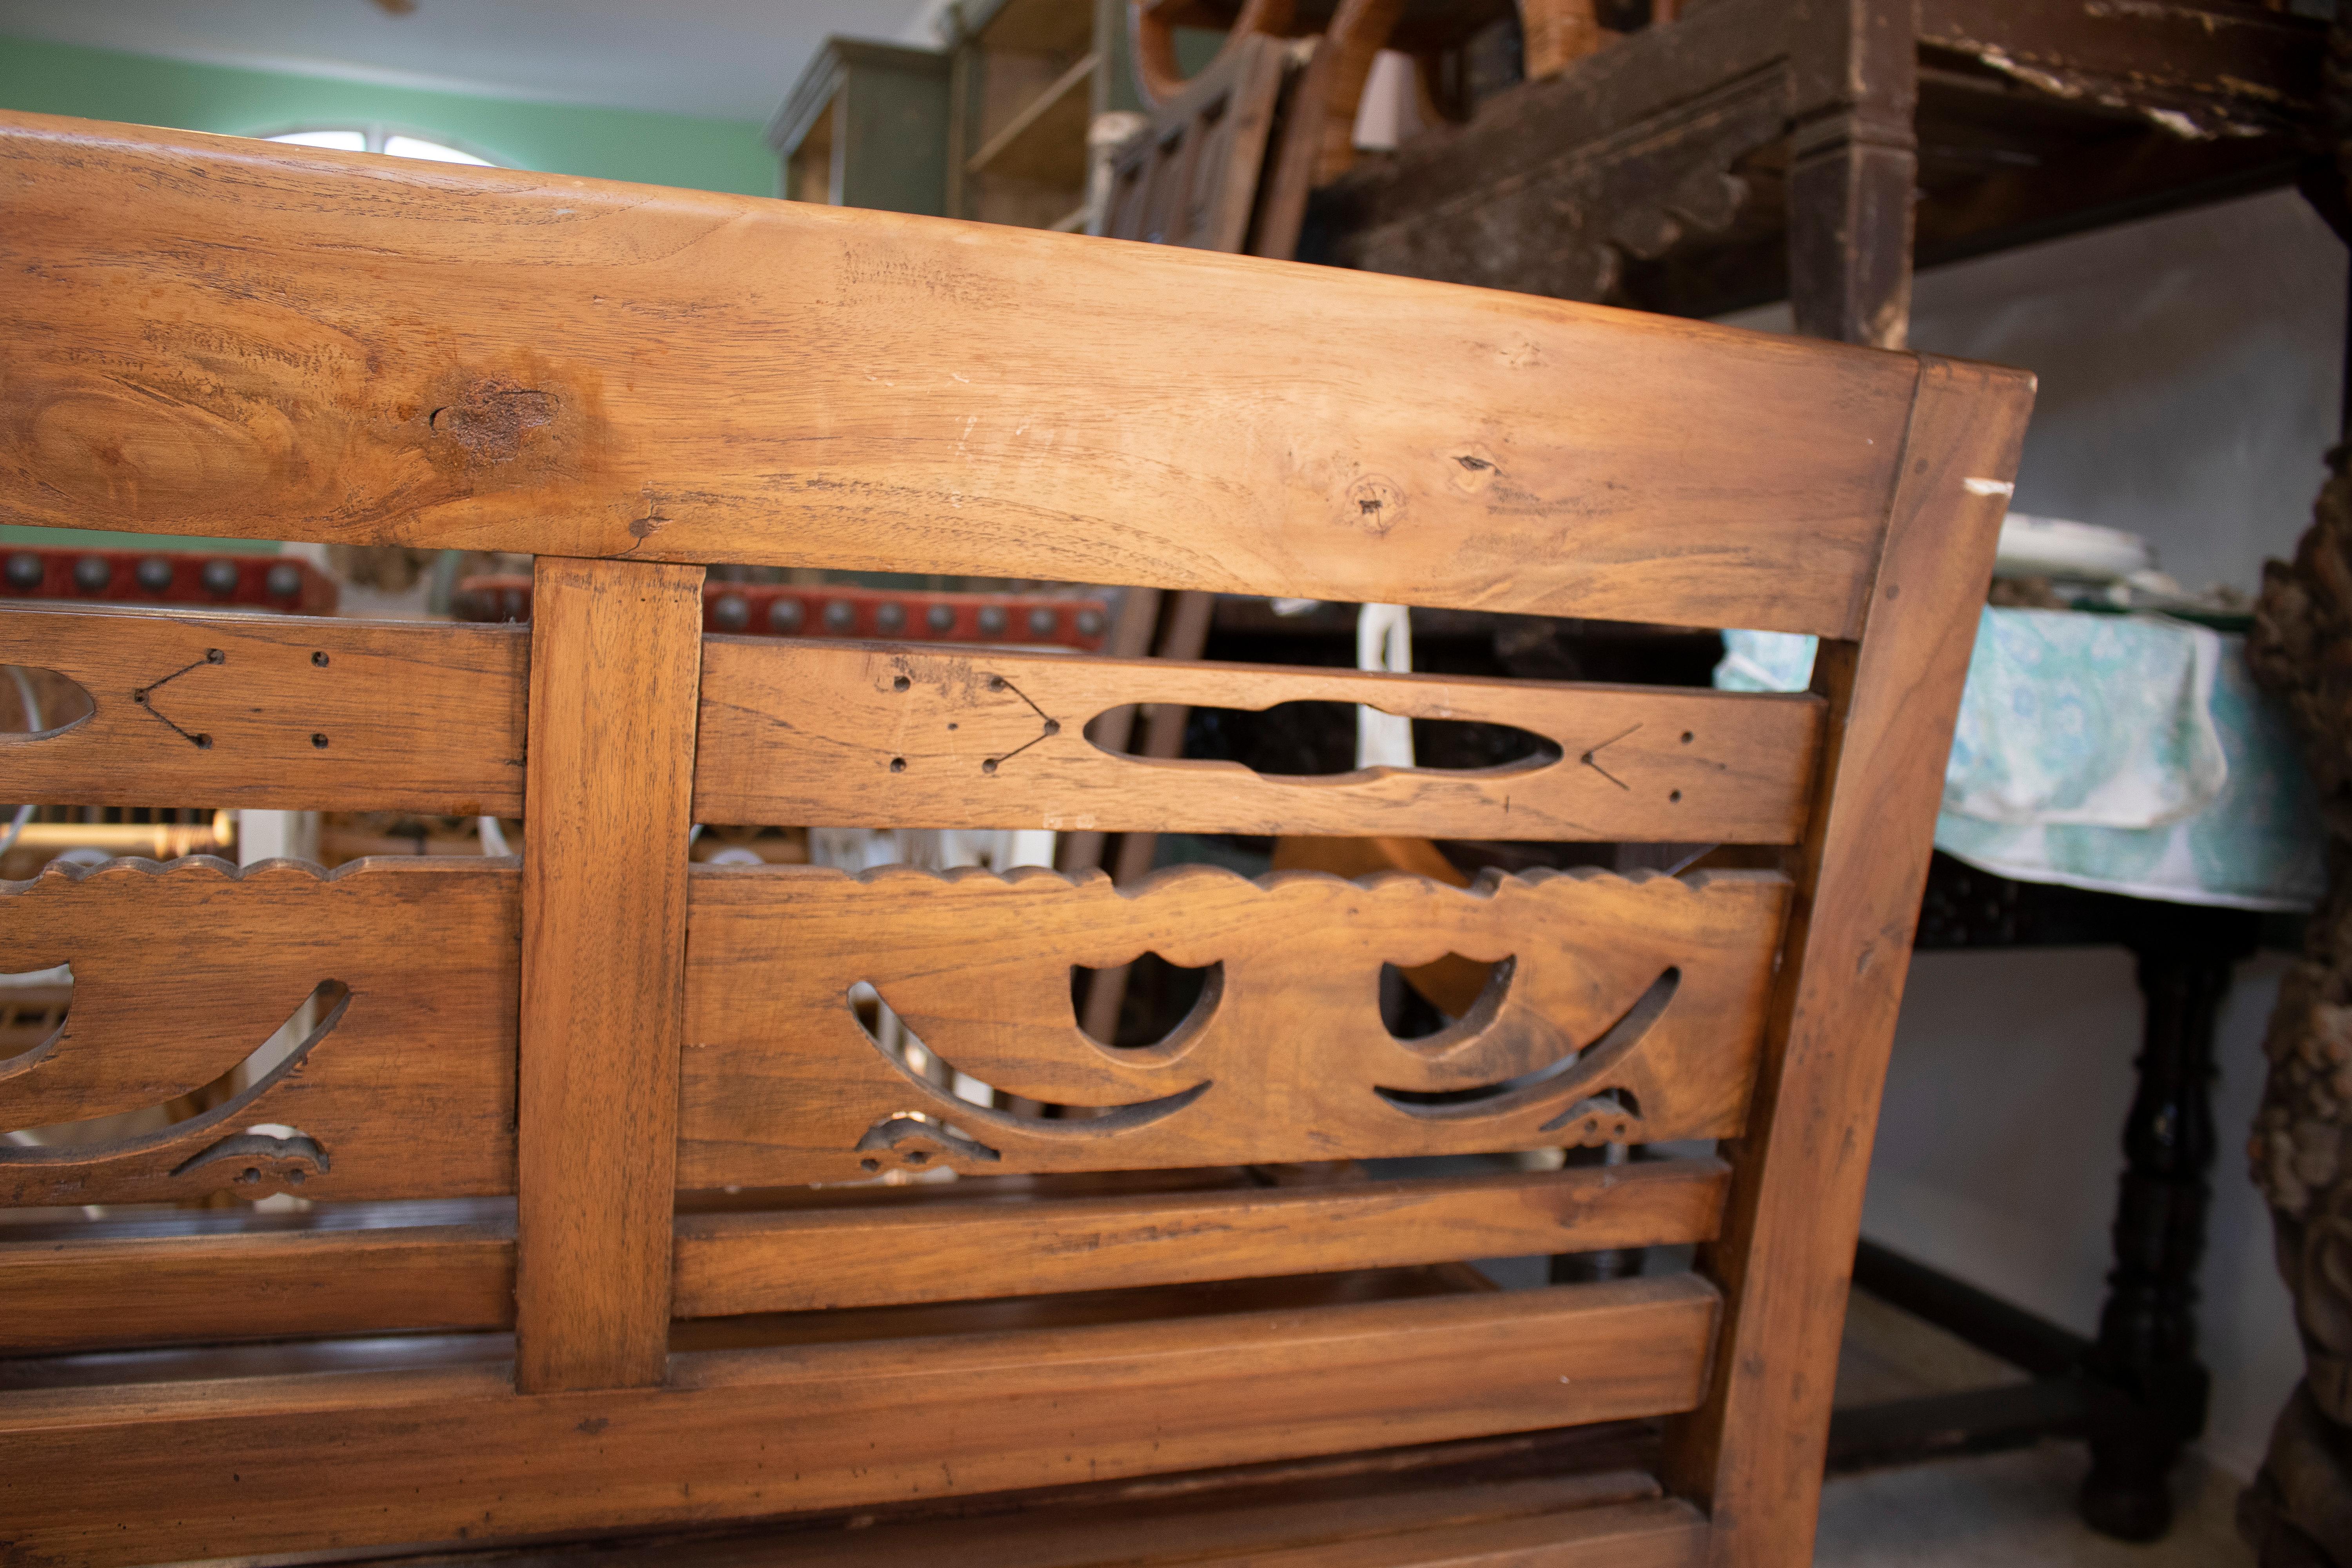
x=381 y=139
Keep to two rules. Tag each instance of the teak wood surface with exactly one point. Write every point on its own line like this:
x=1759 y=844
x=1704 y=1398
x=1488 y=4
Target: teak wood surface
x=615 y=655
x=134 y=1474
x=1152 y=1259
x=276 y=710
x=894 y=738
x=609 y=381
x=1627 y=1012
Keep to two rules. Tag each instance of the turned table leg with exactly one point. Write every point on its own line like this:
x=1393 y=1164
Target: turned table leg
x=2146 y=1386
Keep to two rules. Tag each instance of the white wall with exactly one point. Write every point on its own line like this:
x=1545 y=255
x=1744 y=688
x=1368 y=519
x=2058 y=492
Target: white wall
x=2191 y=370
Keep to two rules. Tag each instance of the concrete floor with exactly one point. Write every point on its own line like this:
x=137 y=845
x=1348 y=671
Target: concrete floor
x=2013 y=1511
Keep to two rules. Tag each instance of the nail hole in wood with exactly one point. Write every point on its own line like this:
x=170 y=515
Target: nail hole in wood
x=319 y=741
x=901 y=684
x=989 y=766
x=214 y=655
x=898 y=764
x=1686 y=737
x=320 y=659
x=1676 y=795
x=204 y=742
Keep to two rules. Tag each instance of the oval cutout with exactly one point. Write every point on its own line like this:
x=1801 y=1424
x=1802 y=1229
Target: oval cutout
x=1317 y=740
x=36 y=704
x=1156 y=1001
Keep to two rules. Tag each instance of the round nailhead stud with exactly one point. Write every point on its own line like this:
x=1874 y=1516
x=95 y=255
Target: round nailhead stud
x=1042 y=622
x=784 y=615
x=941 y=618
x=154 y=574
x=91 y=574
x=993 y=620
x=219 y=578
x=731 y=612
x=285 y=580
x=23 y=570
x=1090 y=623
x=839 y=616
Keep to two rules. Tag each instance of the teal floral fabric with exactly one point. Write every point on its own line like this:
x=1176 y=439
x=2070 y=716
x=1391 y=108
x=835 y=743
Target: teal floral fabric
x=2131 y=755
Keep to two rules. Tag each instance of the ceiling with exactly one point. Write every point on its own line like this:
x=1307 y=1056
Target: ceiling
x=733 y=59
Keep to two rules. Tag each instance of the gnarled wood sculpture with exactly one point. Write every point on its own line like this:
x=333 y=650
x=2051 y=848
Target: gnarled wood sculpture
x=2300 y=1507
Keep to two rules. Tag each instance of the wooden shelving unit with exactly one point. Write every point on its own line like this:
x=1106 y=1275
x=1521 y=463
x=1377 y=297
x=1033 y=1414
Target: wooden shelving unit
x=866 y=126
x=1029 y=78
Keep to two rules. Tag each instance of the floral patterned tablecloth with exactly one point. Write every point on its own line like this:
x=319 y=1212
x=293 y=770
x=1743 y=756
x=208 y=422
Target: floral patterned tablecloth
x=2128 y=753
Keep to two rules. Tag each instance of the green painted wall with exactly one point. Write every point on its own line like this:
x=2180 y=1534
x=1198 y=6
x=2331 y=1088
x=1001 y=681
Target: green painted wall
x=564 y=139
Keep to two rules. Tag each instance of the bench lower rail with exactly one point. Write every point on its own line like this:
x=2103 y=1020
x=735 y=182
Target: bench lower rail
x=138 y=1473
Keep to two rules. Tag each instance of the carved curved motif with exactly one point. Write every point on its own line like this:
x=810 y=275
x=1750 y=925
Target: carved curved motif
x=1630 y=1010
x=403 y=1087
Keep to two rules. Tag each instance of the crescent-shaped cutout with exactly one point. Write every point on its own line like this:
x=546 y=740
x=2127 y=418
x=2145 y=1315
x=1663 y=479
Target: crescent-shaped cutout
x=1091 y=1122
x=1574 y=1075
x=333 y=994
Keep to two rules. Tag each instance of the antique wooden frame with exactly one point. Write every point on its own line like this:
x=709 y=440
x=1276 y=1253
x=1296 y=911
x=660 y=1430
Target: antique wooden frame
x=210 y=336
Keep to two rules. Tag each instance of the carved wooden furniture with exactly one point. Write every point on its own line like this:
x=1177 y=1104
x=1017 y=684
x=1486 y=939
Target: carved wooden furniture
x=671 y=1325
x=1756 y=150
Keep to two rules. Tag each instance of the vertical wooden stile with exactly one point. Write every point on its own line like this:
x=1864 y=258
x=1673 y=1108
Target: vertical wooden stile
x=1753 y=1452
x=614 y=670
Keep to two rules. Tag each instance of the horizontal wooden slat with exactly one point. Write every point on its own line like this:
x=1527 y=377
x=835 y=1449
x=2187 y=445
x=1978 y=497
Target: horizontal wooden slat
x=1575 y=1476
x=404 y=1088
x=1650 y=990
x=790 y=1262
x=904 y=737
x=682 y=375
x=137 y=1474
x=292 y=712
x=62 y=1295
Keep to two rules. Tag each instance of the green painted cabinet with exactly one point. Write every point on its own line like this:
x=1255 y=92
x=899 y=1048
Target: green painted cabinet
x=866 y=126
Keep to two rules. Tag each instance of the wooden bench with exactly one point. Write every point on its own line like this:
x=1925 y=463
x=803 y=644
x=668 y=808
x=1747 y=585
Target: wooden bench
x=605 y=1105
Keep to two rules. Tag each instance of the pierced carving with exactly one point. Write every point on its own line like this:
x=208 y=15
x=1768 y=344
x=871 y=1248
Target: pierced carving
x=263 y=1163
x=913 y=1141
x=404 y=1069
x=1625 y=1010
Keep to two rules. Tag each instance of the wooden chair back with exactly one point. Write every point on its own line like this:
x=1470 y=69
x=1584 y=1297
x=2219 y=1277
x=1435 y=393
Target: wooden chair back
x=717 y=1309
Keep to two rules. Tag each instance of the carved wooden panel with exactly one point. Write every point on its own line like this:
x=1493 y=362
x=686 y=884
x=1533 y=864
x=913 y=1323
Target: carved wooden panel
x=300 y=713
x=402 y=1087
x=1620 y=1010
x=913 y=738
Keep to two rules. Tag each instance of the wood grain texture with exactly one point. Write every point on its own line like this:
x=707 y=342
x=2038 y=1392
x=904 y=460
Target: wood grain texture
x=139 y=1474
x=294 y=712
x=865 y=390
x=729 y=1263
x=1753 y=1454
x=897 y=737
x=1580 y=1479
x=615 y=652
x=181 y=971
x=1650 y=990
x=62 y=1295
